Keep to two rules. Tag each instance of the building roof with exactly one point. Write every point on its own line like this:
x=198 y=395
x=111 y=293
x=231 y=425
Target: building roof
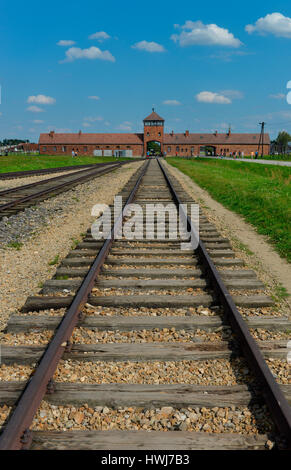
x=82 y=139
x=153 y=117
x=214 y=139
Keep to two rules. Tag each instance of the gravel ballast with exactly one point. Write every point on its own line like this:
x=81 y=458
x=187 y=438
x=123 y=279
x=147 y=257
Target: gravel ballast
x=47 y=231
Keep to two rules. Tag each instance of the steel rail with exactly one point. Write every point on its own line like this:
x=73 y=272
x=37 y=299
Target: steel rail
x=278 y=405
x=16 y=434
x=55 y=178
x=44 y=171
x=11 y=204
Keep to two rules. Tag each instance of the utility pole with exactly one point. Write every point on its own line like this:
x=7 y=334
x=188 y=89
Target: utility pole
x=261 y=140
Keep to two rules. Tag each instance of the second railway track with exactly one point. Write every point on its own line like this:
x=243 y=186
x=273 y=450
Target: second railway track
x=133 y=336
x=15 y=199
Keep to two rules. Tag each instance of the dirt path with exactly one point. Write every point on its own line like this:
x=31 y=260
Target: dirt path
x=270 y=267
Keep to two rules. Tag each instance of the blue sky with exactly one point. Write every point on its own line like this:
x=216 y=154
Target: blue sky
x=202 y=66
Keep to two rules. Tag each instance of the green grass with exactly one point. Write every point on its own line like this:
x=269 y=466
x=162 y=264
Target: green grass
x=36 y=162
x=244 y=248
x=54 y=261
x=260 y=193
x=75 y=243
x=16 y=245
x=280 y=292
x=285 y=158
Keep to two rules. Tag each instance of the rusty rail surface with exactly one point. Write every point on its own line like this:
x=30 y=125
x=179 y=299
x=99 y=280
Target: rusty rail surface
x=275 y=399
x=17 y=434
x=81 y=178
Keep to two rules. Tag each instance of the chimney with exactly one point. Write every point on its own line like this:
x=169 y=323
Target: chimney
x=80 y=132
x=51 y=134
x=229 y=131
x=187 y=133
x=215 y=133
x=172 y=133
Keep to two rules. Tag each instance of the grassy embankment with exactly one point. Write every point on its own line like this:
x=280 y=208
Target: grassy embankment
x=260 y=193
x=36 y=162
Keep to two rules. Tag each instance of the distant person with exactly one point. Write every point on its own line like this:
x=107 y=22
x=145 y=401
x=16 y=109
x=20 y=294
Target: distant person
x=73 y=153
x=257 y=153
x=252 y=155
x=242 y=154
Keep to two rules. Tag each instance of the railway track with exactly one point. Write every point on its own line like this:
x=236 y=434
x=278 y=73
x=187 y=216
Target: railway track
x=43 y=171
x=15 y=199
x=143 y=336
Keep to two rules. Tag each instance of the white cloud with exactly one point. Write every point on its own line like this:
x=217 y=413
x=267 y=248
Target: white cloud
x=148 y=46
x=232 y=94
x=172 y=102
x=91 y=53
x=86 y=124
x=125 y=126
x=35 y=109
x=273 y=23
x=37 y=121
x=278 y=96
x=210 y=97
x=41 y=99
x=195 y=32
x=94 y=97
x=65 y=42
x=100 y=36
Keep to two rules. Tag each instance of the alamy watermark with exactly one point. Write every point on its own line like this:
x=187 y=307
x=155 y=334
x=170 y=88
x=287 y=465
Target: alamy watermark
x=150 y=222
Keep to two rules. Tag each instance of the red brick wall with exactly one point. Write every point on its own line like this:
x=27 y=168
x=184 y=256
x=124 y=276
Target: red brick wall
x=88 y=150
x=185 y=150
x=153 y=132
x=137 y=150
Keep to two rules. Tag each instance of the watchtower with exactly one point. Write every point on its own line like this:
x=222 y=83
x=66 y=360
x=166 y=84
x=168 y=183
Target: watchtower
x=153 y=130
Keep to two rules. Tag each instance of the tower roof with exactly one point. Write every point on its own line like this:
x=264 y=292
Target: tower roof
x=154 y=117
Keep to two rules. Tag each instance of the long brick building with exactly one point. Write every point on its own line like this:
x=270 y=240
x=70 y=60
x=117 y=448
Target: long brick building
x=183 y=144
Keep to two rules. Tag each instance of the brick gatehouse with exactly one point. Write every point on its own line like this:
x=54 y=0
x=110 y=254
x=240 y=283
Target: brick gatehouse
x=182 y=144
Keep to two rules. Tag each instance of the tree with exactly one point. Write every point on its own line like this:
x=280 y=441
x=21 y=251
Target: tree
x=154 y=147
x=282 y=141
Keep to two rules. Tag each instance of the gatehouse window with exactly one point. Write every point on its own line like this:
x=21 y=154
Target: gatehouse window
x=169 y=149
x=177 y=149
x=64 y=148
x=54 y=149
x=85 y=149
x=44 y=149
